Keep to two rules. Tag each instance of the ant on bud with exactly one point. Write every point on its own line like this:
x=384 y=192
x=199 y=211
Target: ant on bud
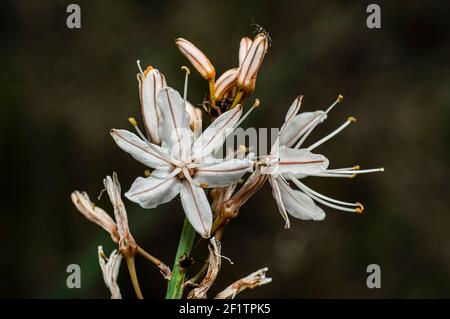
x=260 y=29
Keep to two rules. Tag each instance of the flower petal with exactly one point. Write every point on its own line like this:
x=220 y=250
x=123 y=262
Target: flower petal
x=299 y=205
x=196 y=208
x=276 y=193
x=292 y=112
x=149 y=86
x=150 y=155
x=214 y=136
x=301 y=161
x=159 y=188
x=244 y=46
x=175 y=132
x=223 y=173
x=297 y=127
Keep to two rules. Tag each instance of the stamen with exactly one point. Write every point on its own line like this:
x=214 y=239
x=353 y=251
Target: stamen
x=338 y=100
x=363 y=171
x=204 y=185
x=311 y=126
x=138 y=62
x=185 y=68
x=254 y=106
x=309 y=191
x=147 y=173
x=133 y=122
x=332 y=134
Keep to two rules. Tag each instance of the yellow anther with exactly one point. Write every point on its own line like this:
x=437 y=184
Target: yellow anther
x=132 y=121
x=243 y=148
x=102 y=254
x=256 y=103
x=356 y=167
x=340 y=97
x=185 y=68
x=148 y=69
x=204 y=185
x=382 y=169
x=351 y=119
x=352 y=176
x=147 y=173
x=360 y=208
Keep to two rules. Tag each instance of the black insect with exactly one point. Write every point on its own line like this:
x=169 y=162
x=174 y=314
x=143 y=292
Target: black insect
x=260 y=29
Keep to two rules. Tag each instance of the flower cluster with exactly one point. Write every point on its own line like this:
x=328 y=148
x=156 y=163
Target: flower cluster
x=182 y=160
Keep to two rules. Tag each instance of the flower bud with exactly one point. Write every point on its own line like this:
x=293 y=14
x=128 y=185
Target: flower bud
x=252 y=62
x=244 y=46
x=225 y=83
x=197 y=58
x=150 y=82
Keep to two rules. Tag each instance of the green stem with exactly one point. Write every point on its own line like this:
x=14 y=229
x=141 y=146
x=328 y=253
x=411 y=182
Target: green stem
x=175 y=285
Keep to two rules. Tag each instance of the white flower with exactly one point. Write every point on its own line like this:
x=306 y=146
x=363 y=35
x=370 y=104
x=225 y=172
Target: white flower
x=110 y=270
x=182 y=164
x=289 y=161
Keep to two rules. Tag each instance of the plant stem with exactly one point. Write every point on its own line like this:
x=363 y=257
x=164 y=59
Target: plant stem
x=175 y=285
x=133 y=275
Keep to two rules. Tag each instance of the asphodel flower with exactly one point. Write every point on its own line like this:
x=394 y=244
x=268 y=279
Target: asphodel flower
x=150 y=82
x=183 y=165
x=110 y=270
x=289 y=161
x=197 y=58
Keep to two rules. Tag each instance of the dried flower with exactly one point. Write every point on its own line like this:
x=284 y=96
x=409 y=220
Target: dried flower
x=110 y=270
x=256 y=279
x=211 y=275
x=95 y=214
x=127 y=244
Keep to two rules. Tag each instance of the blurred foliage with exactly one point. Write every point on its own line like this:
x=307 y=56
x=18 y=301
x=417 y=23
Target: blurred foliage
x=62 y=90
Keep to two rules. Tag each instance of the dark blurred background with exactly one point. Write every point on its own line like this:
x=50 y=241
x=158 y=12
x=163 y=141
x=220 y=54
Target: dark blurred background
x=61 y=91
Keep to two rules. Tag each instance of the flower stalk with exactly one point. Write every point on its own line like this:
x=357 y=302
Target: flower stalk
x=176 y=282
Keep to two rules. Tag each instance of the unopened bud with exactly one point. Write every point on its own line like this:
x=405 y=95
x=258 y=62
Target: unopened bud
x=244 y=46
x=225 y=83
x=197 y=58
x=252 y=62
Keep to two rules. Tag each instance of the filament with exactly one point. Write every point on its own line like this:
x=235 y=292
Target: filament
x=332 y=134
x=138 y=62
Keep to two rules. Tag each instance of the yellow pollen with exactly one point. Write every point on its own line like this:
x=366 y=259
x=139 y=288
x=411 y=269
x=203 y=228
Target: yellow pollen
x=148 y=69
x=351 y=119
x=359 y=209
x=256 y=103
x=340 y=97
x=185 y=68
x=147 y=173
x=356 y=167
x=102 y=254
x=204 y=185
x=132 y=121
